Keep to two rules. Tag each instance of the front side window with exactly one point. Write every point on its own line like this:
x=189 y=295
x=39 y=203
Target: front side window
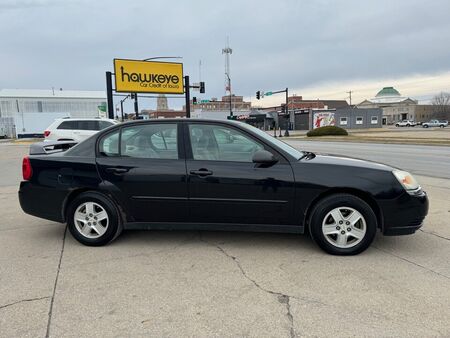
x=220 y=143
x=150 y=141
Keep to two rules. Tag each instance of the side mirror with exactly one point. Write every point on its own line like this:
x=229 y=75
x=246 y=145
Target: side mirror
x=264 y=157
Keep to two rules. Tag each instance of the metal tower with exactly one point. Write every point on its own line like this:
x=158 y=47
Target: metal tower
x=227 y=51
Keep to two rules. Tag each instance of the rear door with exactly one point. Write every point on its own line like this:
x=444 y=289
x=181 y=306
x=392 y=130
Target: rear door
x=86 y=128
x=65 y=130
x=143 y=165
x=226 y=187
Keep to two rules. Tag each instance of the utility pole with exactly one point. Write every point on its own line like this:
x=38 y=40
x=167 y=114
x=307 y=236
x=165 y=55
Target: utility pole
x=136 y=108
x=288 y=118
x=187 y=96
x=350 y=94
x=109 y=93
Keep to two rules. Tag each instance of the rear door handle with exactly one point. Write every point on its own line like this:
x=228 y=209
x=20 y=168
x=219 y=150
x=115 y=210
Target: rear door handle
x=117 y=171
x=201 y=172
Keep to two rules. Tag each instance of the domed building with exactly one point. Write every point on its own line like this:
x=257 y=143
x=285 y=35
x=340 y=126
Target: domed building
x=395 y=106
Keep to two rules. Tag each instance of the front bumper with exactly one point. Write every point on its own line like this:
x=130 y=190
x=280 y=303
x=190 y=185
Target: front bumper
x=405 y=215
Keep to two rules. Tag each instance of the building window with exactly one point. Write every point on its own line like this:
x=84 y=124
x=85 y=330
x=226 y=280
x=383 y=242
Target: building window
x=359 y=120
x=343 y=121
x=374 y=120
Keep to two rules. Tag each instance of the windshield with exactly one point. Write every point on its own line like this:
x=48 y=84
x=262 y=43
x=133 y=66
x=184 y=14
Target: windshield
x=286 y=147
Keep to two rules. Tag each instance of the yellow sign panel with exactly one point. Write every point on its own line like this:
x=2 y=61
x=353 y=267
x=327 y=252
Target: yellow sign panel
x=134 y=76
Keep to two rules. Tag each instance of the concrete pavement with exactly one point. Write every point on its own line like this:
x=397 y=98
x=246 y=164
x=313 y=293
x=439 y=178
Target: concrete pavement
x=222 y=284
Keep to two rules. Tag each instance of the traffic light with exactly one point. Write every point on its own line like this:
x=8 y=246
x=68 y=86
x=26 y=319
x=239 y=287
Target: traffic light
x=258 y=95
x=202 y=87
x=194 y=100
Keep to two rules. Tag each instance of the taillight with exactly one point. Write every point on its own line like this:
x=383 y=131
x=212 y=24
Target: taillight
x=46 y=133
x=27 y=171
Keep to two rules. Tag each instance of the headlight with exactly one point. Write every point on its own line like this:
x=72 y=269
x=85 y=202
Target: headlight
x=406 y=180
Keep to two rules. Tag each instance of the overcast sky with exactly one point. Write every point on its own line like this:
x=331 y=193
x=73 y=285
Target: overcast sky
x=316 y=48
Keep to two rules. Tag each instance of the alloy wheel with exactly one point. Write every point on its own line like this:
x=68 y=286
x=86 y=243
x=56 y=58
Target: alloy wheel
x=344 y=227
x=91 y=220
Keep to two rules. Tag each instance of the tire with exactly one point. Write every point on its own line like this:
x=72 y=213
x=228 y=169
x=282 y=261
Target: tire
x=425 y=126
x=397 y=125
x=322 y=220
x=441 y=126
x=97 y=212
x=408 y=125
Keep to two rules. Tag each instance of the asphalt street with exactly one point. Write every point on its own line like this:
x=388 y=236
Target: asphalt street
x=219 y=284
x=433 y=161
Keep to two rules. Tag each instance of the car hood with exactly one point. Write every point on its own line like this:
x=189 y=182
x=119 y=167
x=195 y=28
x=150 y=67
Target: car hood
x=346 y=161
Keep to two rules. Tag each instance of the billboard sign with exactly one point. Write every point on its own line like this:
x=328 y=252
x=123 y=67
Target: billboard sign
x=323 y=119
x=134 y=76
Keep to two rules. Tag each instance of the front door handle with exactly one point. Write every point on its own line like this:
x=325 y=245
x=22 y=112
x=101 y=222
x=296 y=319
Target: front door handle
x=117 y=171
x=201 y=172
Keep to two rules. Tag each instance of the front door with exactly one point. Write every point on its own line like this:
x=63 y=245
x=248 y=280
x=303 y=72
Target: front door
x=146 y=171
x=225 y=186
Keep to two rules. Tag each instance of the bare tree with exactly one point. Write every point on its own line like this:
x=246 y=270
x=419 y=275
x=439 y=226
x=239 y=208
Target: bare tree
x=441 y=103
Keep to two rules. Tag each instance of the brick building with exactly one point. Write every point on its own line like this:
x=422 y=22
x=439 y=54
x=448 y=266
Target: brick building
x=237 y=104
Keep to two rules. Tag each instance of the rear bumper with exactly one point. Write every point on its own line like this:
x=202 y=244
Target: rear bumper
x=405 y=215
x=41 y=201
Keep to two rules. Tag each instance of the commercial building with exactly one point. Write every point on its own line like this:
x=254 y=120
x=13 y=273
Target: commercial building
x=237 y=104
x=297 y=102
x=397 y=107
x=30 y=111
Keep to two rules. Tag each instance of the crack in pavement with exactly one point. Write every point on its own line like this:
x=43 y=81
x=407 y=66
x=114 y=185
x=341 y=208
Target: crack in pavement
x=23 y=301
x=281 y=297
x=50 y=311
x=411 y=262
x=434 y=234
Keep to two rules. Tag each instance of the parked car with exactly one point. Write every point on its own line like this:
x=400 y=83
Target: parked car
x=68 y=129
x=435 y=123
x=203 y=174
x=405 y=123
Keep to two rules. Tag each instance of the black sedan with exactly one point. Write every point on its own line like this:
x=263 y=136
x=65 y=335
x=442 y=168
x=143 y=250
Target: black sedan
x=215 y=175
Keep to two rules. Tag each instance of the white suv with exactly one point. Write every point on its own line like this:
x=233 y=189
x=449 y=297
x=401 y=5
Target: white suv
x=67 y=129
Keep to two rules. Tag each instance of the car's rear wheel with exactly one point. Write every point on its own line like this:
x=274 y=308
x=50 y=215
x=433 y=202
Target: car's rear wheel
x=441 y=126
x=93 y=219
x=343 y=224
x=397 y=125
x=425 y=125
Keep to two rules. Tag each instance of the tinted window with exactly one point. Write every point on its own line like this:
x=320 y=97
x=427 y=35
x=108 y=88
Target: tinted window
x=150 y=141
x=88 y=125
x=109 y=145
x=68 y=125
x=104 y=124
x=219 y=143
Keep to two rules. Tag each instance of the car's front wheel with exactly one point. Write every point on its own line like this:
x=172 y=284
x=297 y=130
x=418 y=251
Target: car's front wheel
x=93 y=219
x=343 y=224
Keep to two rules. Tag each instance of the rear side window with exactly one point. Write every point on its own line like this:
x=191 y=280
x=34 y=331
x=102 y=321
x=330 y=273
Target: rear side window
x=104 y=124
x=142 y=141
x=150 y=141
x=109 y=145
x=68 y=125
